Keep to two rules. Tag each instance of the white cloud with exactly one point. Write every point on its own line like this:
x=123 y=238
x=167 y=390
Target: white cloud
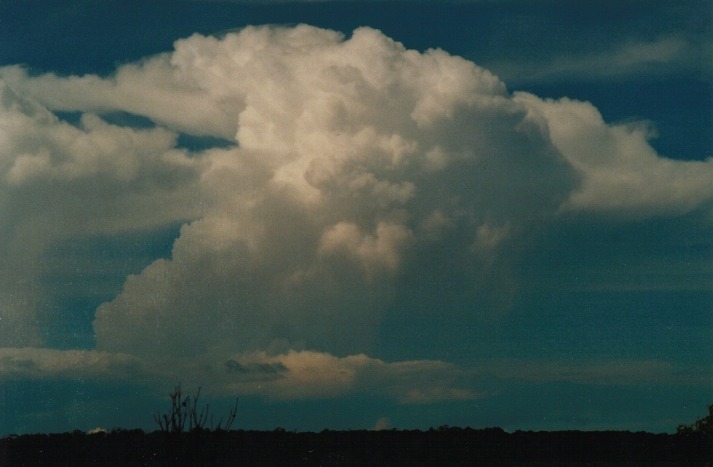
x=149 y=88
x=58 y=181
x=358 y=165
x=621 y=173
x=349 y=153
x=379 y=251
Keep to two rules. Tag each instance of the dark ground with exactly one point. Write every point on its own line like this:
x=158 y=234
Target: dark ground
x=442 y=447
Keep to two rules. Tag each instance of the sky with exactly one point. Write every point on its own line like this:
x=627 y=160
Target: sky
x=357 y=215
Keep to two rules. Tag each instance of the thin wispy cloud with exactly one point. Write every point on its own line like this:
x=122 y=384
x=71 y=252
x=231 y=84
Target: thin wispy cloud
x=52 y=364
x=663 y=56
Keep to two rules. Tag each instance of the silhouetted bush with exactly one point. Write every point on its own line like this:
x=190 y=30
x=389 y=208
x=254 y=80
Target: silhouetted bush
x=702 y=427
x=185 y=410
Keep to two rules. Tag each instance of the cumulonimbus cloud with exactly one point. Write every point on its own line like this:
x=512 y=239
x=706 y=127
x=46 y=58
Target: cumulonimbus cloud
x=356 y=160
x=356 y=167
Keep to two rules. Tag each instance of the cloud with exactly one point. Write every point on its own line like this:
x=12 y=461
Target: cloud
x=52 y=364
x=356 y=159
x=629 y=58
x=308 y=374
x=289 y=375
x=600 y=373
x=147 y=88
x=361 y=173
x=58 y=181
x=382 y=423
x=621 y=173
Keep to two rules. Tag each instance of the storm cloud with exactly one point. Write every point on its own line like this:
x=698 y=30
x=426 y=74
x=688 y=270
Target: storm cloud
x=352 y=169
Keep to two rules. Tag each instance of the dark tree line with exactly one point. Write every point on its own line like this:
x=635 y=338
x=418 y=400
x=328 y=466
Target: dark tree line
x=184 y=439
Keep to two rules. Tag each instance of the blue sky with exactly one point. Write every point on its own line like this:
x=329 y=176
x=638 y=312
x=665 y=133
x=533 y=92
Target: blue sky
x=357 y=214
